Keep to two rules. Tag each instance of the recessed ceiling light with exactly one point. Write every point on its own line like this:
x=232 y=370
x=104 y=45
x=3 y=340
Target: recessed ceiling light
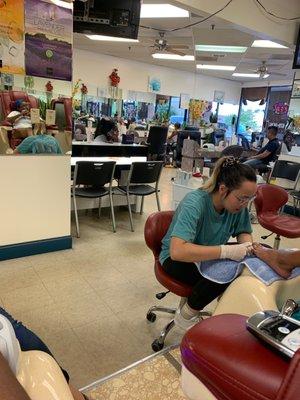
x=165 y=56
x=268 y=44
x=241 y=75
x=222 y=49
x=162 y=11
x=62 y=3
x=216 y=67
x=110 y=38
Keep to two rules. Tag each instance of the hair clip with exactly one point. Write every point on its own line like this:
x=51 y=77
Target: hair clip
x=229 y=162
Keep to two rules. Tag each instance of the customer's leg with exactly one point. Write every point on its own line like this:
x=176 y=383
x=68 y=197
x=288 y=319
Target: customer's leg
x=28 y=340
x=255 y=164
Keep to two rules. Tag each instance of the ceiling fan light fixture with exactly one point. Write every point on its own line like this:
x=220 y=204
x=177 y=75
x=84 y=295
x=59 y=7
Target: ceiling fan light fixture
x=221 y=49
x=216 y=67
x=163 y=11
x=268 y=44
x=265 y=76
x=111 y=38
x=245 y=75
x=166 y=56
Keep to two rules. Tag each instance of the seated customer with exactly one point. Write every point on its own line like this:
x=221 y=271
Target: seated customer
x=39 y=144
x=282 y=261
x=22 y=125
x=28 y=340
x=267 y=153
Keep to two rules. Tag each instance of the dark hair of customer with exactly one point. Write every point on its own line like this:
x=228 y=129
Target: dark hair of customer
x=273 y=130
x=177 y=125
x=230 y=172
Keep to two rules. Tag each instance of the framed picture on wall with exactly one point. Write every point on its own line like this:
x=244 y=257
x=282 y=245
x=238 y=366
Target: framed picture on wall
x=154 y=84
x=296 y=89
x=219 y=96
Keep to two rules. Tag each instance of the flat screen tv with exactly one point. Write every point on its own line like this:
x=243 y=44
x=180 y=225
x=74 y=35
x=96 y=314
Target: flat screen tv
x=296 y=64
x=119 y=18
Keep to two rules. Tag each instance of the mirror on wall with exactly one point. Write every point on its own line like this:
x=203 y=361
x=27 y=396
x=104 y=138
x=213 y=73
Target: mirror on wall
x=31 y=105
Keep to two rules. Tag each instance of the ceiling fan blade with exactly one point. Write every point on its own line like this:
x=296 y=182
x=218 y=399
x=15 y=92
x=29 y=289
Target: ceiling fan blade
x=276 y=73
x=174 y=51
x=179 y=46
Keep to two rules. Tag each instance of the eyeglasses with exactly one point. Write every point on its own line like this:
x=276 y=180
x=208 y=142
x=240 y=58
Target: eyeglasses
x=244 y=199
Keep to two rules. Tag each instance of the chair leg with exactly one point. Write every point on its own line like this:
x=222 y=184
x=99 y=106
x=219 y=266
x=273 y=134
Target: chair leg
x=276 y=242
x=99 y=208
x=112 y=212
x=157 y=200
x=130 y=213
x=168 y=310
x=142 y=205
x=158 y=343
x=76 y=217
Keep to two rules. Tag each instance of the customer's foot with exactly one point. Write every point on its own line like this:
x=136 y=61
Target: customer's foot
x=185 y=323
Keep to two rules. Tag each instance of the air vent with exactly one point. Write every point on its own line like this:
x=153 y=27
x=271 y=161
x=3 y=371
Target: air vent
x=219 y=55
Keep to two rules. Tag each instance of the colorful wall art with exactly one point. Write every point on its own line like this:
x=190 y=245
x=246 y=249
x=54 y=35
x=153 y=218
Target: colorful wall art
x=48 y=40
x=12 y=36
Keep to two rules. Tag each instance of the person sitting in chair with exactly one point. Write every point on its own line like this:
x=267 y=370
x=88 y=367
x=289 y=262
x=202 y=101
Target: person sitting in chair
x=22 y=125
x=39 y=144
x=266 y=154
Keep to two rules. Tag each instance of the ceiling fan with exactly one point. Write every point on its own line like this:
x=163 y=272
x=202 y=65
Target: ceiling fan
x=161 y=45
x=263 y=70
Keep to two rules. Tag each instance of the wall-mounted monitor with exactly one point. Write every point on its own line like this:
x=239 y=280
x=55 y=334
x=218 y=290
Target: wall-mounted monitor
x=296 y=64
x=119 y=18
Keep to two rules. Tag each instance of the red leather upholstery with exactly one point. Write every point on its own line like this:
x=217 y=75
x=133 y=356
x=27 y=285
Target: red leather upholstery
x=235 y=365
x=269 y=199
x=8 y=98
x=155 y=229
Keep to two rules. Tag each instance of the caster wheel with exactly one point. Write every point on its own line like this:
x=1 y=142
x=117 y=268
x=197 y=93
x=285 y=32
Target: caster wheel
x=157 y=346
x=151 y=317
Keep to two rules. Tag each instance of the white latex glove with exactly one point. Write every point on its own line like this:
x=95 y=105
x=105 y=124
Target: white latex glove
x=236 y=252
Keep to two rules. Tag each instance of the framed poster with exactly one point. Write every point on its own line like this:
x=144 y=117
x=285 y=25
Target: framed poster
x=48 y=40
x=184 y=101
x=12 y=37
x=219 y=96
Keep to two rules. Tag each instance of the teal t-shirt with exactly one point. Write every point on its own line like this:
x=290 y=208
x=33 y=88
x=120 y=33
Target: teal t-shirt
x=38 y=144
x=196 y=221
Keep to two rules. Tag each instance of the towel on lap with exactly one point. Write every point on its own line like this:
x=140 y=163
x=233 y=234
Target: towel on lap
x=224 y=271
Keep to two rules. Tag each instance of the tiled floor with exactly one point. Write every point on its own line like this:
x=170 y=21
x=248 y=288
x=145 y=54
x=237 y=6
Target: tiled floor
x=89 y=303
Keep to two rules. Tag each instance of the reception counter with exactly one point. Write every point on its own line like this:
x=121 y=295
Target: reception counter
x=102 y=149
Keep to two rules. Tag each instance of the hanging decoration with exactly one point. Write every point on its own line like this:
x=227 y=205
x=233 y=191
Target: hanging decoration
x=114 y=78
x=84 y=92
x=49 y=93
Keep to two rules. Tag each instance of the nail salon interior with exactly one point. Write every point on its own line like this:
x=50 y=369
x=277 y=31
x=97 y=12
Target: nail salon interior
x=150 y=200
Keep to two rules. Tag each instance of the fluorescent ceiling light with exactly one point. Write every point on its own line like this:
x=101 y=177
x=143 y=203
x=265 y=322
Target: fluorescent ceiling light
x=241 y=75
x=221 y=49
x=110 y=38
x=62 y=3
x=162 y=11
x=268 y=44
x=216 y=67
x=166 y=56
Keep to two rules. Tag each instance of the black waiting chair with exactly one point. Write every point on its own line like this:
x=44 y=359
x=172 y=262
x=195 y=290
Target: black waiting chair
x=156 y=141
x=90 y=180
x=287 y=170
x=140 y=176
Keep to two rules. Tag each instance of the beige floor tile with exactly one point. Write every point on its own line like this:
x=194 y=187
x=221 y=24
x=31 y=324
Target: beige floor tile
x=26 y=299
x=44 y=321
x=87 y=309
x=60 y=270
x=22 y=278
x=68 y=287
